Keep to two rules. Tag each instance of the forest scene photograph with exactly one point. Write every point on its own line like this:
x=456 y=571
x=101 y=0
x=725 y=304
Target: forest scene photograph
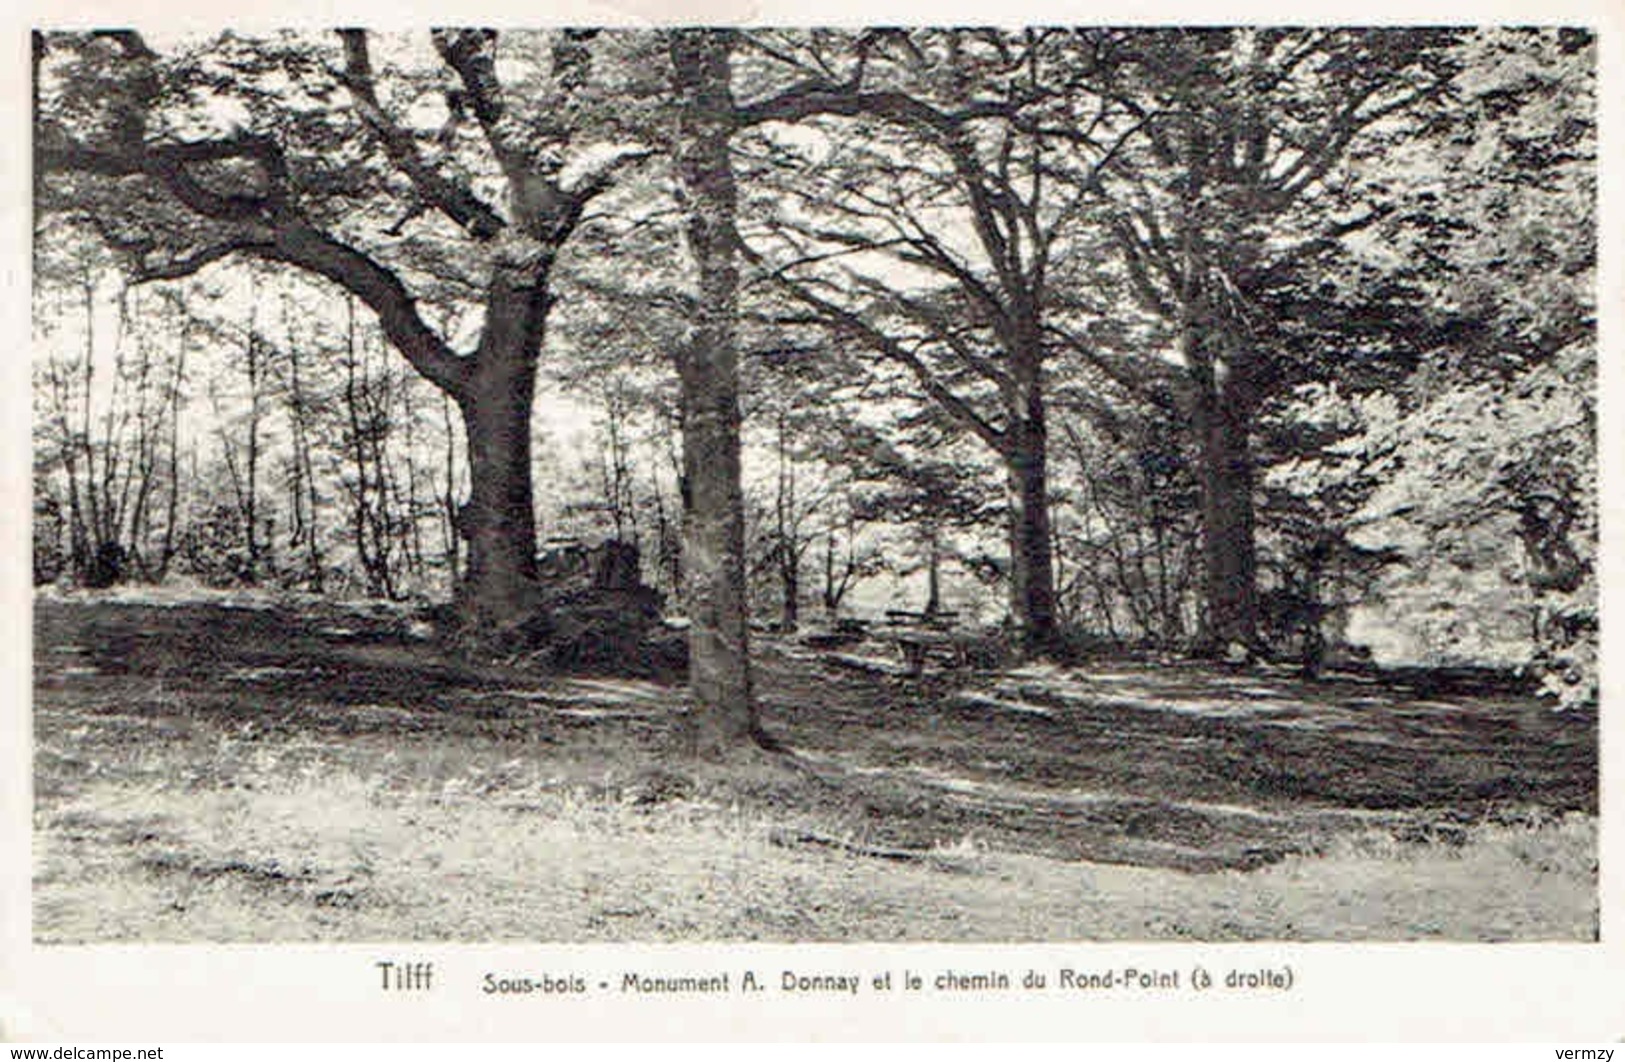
x=1067 y=483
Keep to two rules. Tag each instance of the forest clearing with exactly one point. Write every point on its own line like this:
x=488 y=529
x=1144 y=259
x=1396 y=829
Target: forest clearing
x=217 y=773
x=892 y=483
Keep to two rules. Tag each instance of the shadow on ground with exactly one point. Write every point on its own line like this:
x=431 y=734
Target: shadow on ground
x=1174 y=766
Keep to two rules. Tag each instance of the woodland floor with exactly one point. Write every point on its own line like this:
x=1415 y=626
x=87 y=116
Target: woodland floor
x=241 y=771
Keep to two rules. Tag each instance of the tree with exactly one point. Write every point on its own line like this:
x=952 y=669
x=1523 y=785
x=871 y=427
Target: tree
x=1218 y=208
x=1320 y=471
x=1500 y=412
x=304 y=502
x=916 y=470
x=108 y=397
x=315 y=168
x=949 y=237
x=806 y=523
x=1131 y=541
x=708 y=367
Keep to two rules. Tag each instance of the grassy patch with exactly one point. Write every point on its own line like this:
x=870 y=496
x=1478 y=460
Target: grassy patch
x=214 y=776
x=497 y=856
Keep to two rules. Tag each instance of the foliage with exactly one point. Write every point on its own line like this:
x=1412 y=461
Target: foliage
x=1129 y=539
x=1493 y=440
x=1467 y=473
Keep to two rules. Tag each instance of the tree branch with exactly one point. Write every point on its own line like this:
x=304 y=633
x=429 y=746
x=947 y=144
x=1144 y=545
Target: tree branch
x=264 y=225
x=603 y=178
x=844 y=321
x=938 y=325
x=469 y=53
x=168 y=164
x=452 y=198
x=1115 y=373
x=177 y=268
x=817 y=96
x=382 y=291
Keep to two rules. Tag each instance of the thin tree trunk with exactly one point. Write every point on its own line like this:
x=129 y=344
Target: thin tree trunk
x=829 y=573
x=144 y=469
x=665 y=566
x=93 y=517
x=933 y=570
x=172 y=511
x=414 y=526
x=361 y=515
x=789 y=544
x=790 y=577
x=61 y=400
x=252 y=458
x=375 y=398
x=307 y=527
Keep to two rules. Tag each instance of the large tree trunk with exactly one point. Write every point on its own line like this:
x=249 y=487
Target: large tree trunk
x=1032 y=567
x=498 y=587
x=1032 y=571
x=714 y=506
x=1223 y=424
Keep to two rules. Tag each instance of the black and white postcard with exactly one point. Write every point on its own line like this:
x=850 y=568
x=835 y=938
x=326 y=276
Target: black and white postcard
x=970 y=523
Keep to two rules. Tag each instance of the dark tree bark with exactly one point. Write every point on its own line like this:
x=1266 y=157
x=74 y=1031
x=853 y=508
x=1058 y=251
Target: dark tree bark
x=933 y=570
x=787 y=532
x=1261 y=118
x=1223 y=424
x=714 y=503
x=1026 y=457
x=616 y=468
x=372 y=551
x=451 y=540
x=499 y=520
x=1032 y=571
